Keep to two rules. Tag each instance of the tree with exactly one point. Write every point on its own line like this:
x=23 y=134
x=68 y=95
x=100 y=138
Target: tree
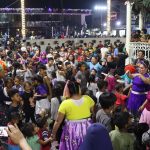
x=141 y=8
x=146 y=4
x=141 y=5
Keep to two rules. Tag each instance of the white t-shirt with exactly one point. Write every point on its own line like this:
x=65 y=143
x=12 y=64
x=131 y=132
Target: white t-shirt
x=98 y=94
x=49 y=70
x=60 y=77
x=28 y=75
x=93 y=87
x=104 y=50
x=20 y=72
x=23 y=49
x=54 y=107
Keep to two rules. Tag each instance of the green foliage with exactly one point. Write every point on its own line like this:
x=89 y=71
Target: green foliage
x=146 y=3
x=138 y=3
x=141 y=5
x=136 y=9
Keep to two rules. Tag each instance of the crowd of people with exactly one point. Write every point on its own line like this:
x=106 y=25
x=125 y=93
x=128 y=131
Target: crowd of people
x=140 y=36
x=74 y=97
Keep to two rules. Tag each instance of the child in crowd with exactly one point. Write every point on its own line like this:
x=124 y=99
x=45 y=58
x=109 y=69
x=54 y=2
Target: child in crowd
x=92 y=85
x=8 y=84
x=125 y=77
x=54 y=78
x=46 y=80
x=43 y=59
x=29 y=72
x=60 y=73
x=103 y=116
x=96 y=108
x=40 y=95
x=110 y=78
x=121 y=139
x=30 y=132
x=56 y=100
x=121 y=98
x=43 y=113
x=94 y=72
x=55 y=103
x=69 y=71
x=16 y=105
x=14 y=119
x=29 y=106
x=102 y=87
x=44 y=134
x=18 y=70
x=17 y=85
x=81 y=76
x=71 y=59
x=51 y=67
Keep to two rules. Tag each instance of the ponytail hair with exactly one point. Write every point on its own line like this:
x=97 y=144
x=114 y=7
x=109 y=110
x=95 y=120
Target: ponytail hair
x=74 y=88
x=71 y=88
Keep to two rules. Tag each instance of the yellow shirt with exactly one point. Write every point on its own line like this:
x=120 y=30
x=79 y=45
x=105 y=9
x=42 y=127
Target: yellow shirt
x=74 y=111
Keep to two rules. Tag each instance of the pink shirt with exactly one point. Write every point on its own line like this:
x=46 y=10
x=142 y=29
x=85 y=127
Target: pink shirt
x=111 y=83
x=148 y=104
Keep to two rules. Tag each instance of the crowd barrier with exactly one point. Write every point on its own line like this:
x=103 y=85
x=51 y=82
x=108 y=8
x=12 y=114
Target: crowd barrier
x=135 y=47
x=44 y=42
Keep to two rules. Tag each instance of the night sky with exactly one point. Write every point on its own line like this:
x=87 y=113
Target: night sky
x=52 y=3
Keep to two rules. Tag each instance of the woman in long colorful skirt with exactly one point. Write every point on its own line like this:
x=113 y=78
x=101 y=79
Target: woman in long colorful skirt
x=76 y=111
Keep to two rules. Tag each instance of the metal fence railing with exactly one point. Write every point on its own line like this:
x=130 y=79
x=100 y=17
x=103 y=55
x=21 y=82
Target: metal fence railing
x=135 y=47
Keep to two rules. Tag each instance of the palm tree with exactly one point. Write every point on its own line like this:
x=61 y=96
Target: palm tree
x=139 y=5
x=141 y=8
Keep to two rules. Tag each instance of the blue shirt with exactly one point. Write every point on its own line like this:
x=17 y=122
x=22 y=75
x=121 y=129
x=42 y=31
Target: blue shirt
x=41 y=89
x=12 y=147
x=126 y=79
x=97 y=66
x=116 y=52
